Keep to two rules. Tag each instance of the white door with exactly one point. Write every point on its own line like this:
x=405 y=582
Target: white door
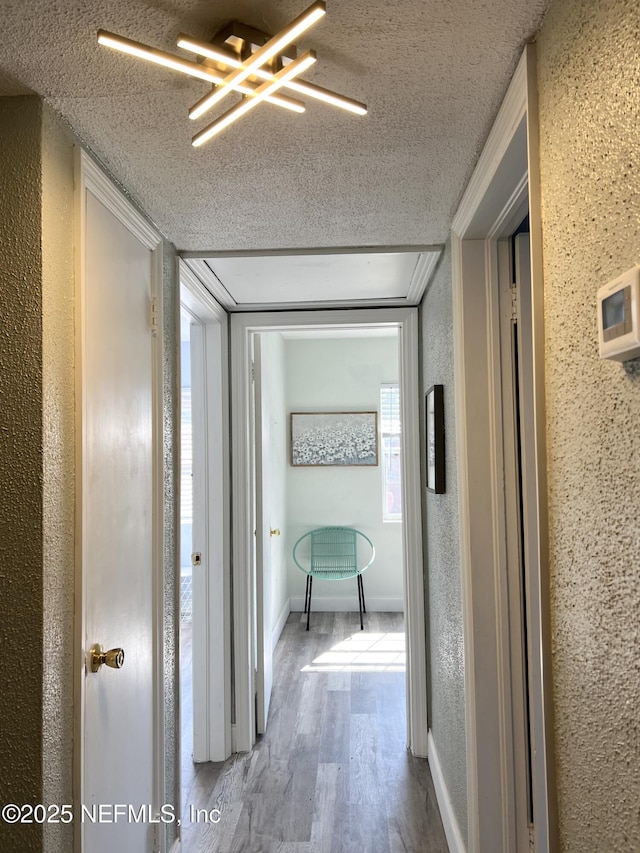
x=211 y=638
x=200 y=556
x=264 y=628
x=119 y=752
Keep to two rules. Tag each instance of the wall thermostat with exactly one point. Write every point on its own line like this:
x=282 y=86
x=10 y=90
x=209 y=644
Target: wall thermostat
x=619 y=317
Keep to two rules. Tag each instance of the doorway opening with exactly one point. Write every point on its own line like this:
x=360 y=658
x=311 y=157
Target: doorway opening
x=205 y=630
x=247 y=633
x=500 y=437
x=333 y=383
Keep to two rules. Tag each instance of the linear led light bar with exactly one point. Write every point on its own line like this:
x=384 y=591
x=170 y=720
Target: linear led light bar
x=225 y=57
x=272 y=48
x=185 y=66
x=263 y=91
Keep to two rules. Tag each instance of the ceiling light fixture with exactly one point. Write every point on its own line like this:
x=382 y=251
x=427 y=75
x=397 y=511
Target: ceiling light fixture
x=225 y=57
x=246 y=61
x=273 y=47
x=287 y=73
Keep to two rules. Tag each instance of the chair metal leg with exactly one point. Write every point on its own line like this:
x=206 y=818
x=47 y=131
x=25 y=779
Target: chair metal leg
x=360 y=601
x=364 y=606
x=306 y=594
x=310 y=578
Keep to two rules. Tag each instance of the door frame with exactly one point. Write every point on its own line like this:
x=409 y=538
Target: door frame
x=262 y=564
x=89 y=178
x=243 y=326
x=212 y=672
x=504 y=186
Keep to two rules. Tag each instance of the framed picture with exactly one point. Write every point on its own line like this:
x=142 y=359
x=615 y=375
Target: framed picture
x=435 y=439
x=334 y=438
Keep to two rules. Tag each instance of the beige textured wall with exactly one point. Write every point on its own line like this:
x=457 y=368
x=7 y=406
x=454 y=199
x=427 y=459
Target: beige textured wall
x=21 y=519
x=37 y=467
x=37 y=471
x=589 y=88
x=58 y=400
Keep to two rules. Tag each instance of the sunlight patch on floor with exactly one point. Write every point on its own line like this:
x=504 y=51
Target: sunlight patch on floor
x=363 y=652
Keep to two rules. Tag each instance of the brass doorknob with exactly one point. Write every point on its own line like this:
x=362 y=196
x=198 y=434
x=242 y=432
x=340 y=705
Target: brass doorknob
x=113 y=658
x=275 y=532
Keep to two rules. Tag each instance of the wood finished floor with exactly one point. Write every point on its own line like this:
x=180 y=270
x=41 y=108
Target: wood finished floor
x=331 y=774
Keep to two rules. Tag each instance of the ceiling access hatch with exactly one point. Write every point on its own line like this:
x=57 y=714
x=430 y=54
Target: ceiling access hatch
x=317 y=278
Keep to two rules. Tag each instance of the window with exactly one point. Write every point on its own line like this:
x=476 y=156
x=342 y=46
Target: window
x=390 y=432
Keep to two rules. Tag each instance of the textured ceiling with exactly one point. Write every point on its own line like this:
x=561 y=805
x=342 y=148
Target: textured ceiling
x=432 y=73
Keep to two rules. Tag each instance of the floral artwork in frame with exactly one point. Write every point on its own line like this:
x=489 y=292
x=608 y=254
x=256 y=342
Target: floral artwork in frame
x=334 y=438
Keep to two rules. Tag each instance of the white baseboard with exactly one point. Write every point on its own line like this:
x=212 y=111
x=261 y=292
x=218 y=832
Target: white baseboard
x=449 y=820
x=347 y=605
x=280 y=623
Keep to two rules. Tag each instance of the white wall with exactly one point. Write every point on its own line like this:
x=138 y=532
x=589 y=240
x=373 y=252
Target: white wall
x=341 y=375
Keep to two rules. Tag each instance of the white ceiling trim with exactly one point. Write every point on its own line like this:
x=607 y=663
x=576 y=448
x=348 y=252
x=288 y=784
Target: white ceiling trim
x=323 y=250
x=422 y=276
x=192 y=294
x=205 y=274
x=512 y=114
x=403 y=288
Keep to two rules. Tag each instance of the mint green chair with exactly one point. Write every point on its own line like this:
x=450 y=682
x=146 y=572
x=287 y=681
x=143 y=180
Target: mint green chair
x=333 y=556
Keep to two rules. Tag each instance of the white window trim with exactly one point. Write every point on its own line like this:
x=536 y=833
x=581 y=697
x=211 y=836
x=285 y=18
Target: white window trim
x=396 y=517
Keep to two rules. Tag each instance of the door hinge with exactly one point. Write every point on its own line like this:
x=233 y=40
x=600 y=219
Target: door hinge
x=515 y=302
x=153 y=315
x=156 y=837
x=253 y=372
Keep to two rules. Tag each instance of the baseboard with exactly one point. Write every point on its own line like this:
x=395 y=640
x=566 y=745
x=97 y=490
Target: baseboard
x=280 y=623
x=449 y=820
x=348 y=605
x=176 y=847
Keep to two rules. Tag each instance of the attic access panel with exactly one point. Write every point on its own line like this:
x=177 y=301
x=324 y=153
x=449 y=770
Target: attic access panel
x=327 y=278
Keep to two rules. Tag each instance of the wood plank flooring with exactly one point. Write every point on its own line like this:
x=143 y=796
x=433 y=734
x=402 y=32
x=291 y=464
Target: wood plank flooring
x=331 y=774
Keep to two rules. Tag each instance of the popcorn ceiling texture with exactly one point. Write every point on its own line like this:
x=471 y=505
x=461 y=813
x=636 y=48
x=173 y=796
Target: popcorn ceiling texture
x=590 y=168
x=432 y=72
x=444 y=606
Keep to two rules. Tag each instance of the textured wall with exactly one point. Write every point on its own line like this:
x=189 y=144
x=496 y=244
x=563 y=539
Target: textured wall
x=21 y=520
x=444 y=604
x=590 y=163
x=342 y=375
x=37 y=470
x=171 y=518
x=58 y=469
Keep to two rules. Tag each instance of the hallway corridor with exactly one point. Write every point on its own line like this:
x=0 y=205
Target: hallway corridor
x=331 y=774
